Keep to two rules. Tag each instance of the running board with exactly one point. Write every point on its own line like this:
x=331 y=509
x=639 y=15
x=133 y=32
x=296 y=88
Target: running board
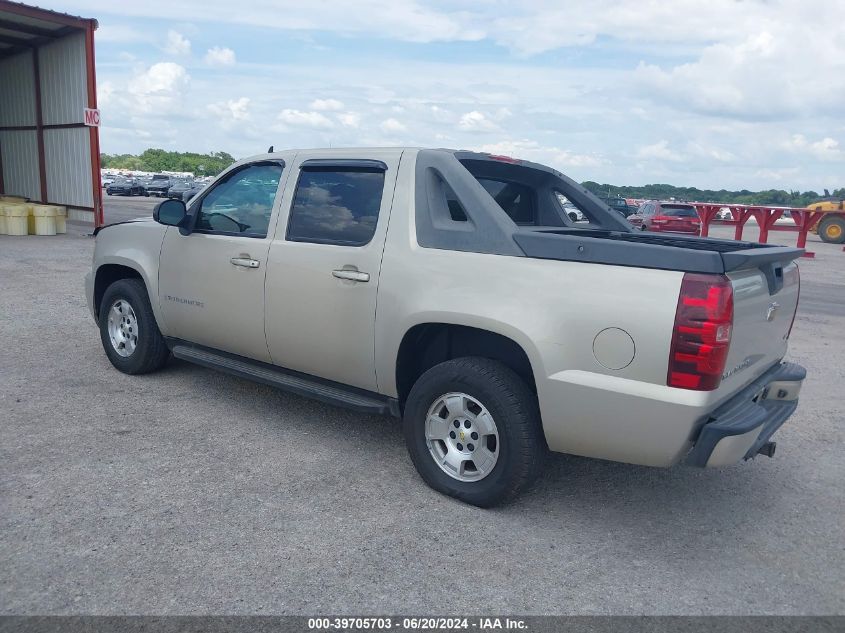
x=301 y=384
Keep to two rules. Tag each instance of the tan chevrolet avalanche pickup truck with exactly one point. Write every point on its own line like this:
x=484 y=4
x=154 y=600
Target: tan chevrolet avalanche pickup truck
x=452 y=290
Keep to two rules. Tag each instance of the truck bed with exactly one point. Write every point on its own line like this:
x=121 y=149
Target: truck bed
x=650 y=250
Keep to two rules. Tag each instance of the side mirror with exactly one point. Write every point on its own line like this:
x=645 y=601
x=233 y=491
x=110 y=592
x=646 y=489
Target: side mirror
x=170 y=212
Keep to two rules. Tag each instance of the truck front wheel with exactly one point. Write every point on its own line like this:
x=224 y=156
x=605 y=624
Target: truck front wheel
x=832 y=229
x=128 y=329
x=472 y=428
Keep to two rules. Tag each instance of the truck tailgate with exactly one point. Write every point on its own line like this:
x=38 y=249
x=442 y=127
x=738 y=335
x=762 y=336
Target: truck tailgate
x=765 y=300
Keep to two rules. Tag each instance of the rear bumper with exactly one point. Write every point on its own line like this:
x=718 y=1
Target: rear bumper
x=743 y=424
x=692 y=230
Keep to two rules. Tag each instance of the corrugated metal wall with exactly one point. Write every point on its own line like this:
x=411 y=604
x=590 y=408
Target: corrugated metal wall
x=64 y=88
x=68 y=157
x=17 y=91
x=64 y=96
x=20 y=163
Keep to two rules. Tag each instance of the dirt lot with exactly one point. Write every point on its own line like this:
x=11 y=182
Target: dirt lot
x=188 y=491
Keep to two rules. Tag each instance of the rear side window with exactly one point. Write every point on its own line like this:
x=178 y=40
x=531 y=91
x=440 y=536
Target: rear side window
x=678 y=211
x=336 y=206
x=517 y=200
x=456 y=209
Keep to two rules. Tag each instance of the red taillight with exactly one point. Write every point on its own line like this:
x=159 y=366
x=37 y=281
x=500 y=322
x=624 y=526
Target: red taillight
x=702 y=332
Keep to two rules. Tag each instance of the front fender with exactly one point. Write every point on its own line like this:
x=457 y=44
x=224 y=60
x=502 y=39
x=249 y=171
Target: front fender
x=136 y=246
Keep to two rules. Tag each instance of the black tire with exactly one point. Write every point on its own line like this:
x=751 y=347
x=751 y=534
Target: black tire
x=512 y=404
x=151 y=352
x=832 y=229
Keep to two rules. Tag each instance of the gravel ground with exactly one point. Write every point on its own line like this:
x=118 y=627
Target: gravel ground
x=189 y=492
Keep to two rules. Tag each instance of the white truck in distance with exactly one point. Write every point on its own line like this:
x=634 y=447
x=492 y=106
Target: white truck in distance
x=452 y=290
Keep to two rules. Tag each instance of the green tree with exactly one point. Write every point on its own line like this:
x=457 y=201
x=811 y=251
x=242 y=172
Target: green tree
x=157 y=160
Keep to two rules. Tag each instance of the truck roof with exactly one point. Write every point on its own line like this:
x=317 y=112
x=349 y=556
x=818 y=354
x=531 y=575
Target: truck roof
x=357 y=152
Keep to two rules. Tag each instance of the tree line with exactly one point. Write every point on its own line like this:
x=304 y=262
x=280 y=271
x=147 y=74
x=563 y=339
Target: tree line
x=774 y=197
x=161 y=160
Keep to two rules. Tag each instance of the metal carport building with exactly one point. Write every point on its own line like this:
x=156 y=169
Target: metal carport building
x=49 y=148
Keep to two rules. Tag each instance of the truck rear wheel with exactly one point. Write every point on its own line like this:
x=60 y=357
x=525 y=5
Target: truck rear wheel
x=472 y=428
x=832 y=229
x=128 y=329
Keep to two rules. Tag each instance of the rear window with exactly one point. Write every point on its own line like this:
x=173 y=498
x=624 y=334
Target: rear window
x=517 y=200
x=678 y=211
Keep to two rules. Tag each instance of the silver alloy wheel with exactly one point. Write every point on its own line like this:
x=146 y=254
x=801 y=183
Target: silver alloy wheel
x=123 y=328
x=462 y=437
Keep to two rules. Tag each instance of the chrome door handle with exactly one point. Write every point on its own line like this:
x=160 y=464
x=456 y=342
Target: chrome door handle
x=351 y=275
x=246 y=262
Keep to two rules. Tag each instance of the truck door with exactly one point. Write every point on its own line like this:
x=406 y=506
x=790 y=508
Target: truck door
x=211 y=282
x=323 y=266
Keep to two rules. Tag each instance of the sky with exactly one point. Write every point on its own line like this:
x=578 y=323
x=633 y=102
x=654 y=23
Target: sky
x=710 y=93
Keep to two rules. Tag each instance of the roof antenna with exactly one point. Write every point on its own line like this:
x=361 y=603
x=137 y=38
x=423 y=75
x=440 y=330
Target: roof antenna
x=270 y=150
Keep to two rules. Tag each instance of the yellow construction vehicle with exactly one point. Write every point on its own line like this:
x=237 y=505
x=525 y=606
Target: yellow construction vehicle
x=831 y=228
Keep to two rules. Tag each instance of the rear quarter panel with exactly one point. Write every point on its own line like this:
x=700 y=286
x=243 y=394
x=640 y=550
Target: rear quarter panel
x=554 y=310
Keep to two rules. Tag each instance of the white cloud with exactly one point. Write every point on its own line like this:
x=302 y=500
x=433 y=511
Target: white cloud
x=159 y=89
x=658 y=151
x=220 y=57
x=710 y=152
x=441 y=115
x=533 y=151
x=325 y=105
x=476 y=121
x=298 y=118
x=231 y=110
x=120 y=33
x=105 y=93
x=177 y=44
x=727 y=84
x=349 y=119
x=826 y=149
x=392 y=126
x=762 y=75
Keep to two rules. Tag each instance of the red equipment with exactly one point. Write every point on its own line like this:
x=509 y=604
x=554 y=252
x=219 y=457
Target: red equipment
x=803 y=220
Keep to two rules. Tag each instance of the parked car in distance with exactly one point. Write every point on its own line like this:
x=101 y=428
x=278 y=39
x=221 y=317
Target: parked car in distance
x=125 y=187
x=196 y=187
x=449 y=290
x=668 y=217
x=107 y=180
x=619 y=205
x=159 y=185
x=572 y=211
x=178 y=188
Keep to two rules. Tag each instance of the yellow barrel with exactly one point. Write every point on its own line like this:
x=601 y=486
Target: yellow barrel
x=61 y=219
x=12 y=199
x=30 y=220
x=44 y=219
x=16 y=219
